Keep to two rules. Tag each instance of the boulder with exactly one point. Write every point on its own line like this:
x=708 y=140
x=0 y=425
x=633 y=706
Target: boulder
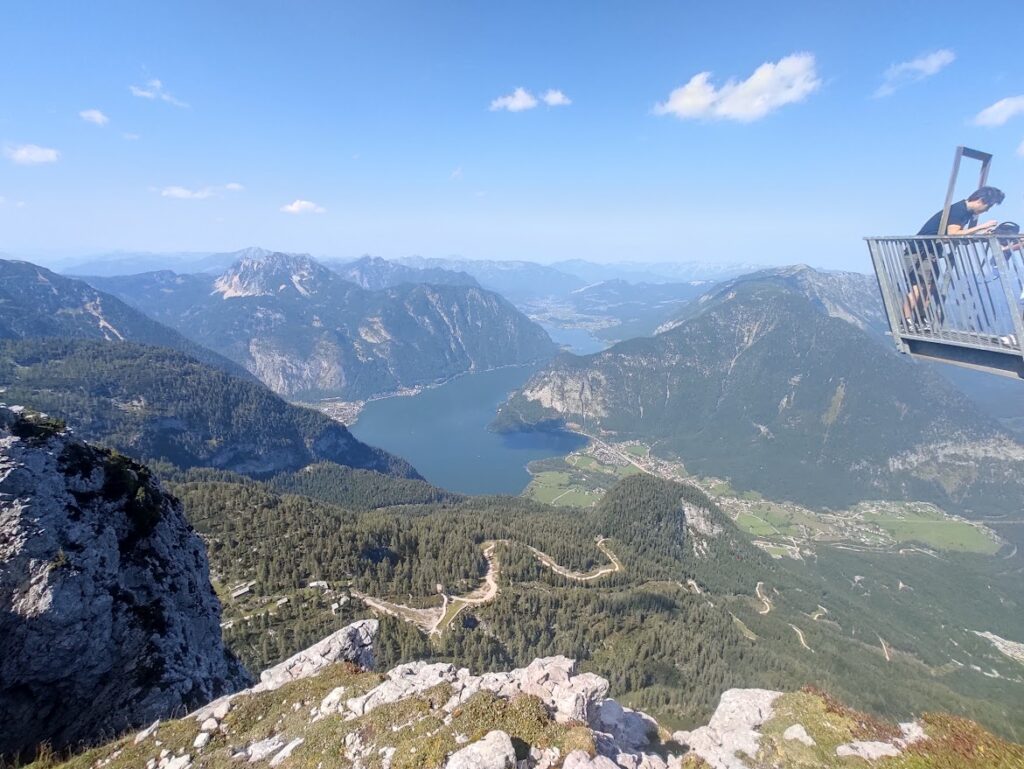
x=353 y=643
x=798 y=733
x=578 y=759
x=869 y=751
x=732 y=729
x=494 y=751
x=403 y=681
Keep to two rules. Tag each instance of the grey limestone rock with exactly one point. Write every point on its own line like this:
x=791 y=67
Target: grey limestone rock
x=494 y=751
x=733 y=729
x=869 y=751
x=353 y=643
x=580 y=760
x=403 y=681
x=107 y=615
x=798 y=733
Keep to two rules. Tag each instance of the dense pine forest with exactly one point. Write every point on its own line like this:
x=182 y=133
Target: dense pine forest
x=163 y=406
x=677 y=626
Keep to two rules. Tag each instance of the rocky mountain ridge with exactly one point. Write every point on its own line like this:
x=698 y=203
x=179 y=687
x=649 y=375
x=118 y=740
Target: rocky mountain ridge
x=313 y=712
x=849 y=296
x=35 y=302
x=307 y=332
x=107 y=614
x=374 y=273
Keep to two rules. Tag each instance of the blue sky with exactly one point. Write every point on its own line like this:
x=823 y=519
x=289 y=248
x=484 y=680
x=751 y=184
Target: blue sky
x=342 y=129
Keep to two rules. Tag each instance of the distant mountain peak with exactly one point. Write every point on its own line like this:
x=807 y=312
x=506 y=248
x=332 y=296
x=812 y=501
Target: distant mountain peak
x=268 y=273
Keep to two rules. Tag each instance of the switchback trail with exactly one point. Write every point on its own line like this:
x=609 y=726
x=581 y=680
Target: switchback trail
x=800 y=635
x=763 y=598
x=548 y=561
x=436 y=620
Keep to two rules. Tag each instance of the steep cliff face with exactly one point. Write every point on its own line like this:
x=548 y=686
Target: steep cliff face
x=107 y=615
x=305 y=331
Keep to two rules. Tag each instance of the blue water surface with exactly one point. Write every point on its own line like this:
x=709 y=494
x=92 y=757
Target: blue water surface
x=443 y=433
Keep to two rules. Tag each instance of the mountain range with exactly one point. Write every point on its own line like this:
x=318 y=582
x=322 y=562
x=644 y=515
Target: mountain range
x=374 y=274
x=772 y=381
x=35 y=302
x=308 y=332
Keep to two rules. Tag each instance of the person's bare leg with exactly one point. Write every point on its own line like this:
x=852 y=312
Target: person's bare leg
x=911 y=303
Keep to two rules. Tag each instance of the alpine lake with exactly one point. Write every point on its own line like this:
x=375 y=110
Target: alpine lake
x=443 y=430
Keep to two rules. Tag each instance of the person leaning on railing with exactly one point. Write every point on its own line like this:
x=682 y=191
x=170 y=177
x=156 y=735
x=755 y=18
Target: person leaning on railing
x=922 y=256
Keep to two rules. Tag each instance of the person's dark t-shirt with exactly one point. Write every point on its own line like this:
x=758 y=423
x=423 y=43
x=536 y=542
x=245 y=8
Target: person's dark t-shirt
x=959 y=214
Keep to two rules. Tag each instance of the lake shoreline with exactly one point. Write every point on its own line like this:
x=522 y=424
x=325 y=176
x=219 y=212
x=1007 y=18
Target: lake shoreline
x=443 y=432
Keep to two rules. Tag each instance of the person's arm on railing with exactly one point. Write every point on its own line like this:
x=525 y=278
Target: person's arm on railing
x=956 y=229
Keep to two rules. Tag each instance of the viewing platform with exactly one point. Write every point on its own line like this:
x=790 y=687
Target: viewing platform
x=956 y=299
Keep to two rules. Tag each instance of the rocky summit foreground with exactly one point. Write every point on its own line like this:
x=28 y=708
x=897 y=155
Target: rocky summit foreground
x=107 y=616
x=322 y=709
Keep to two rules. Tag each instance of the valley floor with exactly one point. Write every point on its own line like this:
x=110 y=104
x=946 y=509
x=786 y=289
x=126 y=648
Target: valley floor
x=782 y=529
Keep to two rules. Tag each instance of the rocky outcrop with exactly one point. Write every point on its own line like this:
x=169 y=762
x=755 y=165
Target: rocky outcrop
x=543 y=716
x=353 y=643
x=494 y=751
x=107 y=616
x=733 y=729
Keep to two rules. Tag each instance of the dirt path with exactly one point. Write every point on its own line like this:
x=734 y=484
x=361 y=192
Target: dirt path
x=820 y=612
x=436 y=620
x=885 y=649
x=800 y=635
x=763 y=598
x=548 y=561
x=424 y=619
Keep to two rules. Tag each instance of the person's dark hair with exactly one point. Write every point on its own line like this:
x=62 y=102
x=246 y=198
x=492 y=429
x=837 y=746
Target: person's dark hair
x=990 y=196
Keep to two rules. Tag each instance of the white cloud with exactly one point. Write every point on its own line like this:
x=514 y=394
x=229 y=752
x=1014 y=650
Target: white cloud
x=31 y=154
x=457 y=173
x=154 y=89
x=555 y=98
x=303 y=207
x=1020 y=150
x=998 y=113
x=130 y=137
x=792 y=79
x=93 y=116
x=907 y=72
x=517 y=101
x=183 y=193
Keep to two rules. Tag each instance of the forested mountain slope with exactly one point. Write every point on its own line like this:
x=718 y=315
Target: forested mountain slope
x=158 y=404
x=305 y=331
x=35 y=302
x=693 y=610
x=765 y=387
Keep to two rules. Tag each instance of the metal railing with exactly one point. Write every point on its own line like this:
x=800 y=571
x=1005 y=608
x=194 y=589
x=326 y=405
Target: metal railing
x=964 y=291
